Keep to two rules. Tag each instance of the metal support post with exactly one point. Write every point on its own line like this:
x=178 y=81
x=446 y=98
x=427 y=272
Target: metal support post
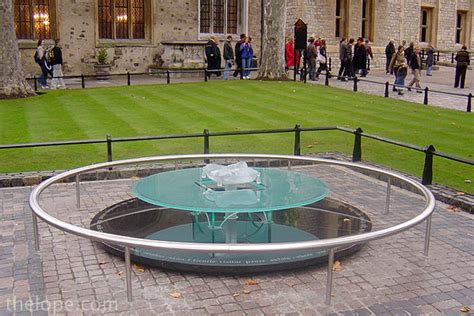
x=469 y=102
x=128 y=274
x=35 y=231
x=206 y=143
x=387 y=199
x=167 y=76
x=329 y=279
x=109 y=148
x=205 y=75
x=326 y=80
x=428 y=166
x=78 y=192
x=387 y=88
x=128 y=78
x=35 y=83
x=297 y=145
x=355 y=83
x=427 y=235
x=357 y=150
x=452 y=58
x=425 y=101
x=83 y=81
x=330 y=64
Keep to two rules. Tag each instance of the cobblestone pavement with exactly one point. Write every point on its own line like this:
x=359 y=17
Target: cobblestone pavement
x=387 y=277
x=442 y=80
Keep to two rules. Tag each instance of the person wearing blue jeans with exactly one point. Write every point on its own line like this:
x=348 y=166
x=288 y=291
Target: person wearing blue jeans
x=246 y=52
x=429 y=60
x=228 y=57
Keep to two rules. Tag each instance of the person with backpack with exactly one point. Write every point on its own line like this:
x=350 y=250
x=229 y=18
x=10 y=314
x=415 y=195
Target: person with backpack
x=55 y=57
x=398 y=66
x=41 y=61
x=348 y=53
x=322 y=58
x=342 y=54
x=310 y=55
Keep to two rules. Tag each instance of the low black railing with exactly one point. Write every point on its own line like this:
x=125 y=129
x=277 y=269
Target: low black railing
x=429 y=151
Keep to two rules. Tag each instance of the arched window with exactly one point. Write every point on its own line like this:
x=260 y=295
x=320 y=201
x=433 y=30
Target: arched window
x=123 y=19
x=33 y=19
x=221 y=16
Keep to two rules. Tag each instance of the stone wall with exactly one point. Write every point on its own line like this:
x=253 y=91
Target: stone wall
x=176 y=21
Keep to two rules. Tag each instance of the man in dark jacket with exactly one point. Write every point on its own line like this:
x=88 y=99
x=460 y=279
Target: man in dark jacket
x=238 y=57
x=349 y=70
x=415 y=66
x=310 y=56
x=228 y=57
x=359 y=61
x=409 y=51
x=462 y=61
x=342 y=53
x=56 y=61
x=213 y=56
x=389 y=51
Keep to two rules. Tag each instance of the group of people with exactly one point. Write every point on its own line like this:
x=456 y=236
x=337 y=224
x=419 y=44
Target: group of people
x=404 y=59
x=353 y=58
x=316 y=52
x=50 y=60
x=241 y=55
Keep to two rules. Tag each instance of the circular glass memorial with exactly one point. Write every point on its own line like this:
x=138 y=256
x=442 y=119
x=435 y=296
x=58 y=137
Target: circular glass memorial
x=279 y=206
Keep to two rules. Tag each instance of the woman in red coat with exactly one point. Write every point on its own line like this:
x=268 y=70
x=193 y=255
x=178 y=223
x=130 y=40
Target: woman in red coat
x=290 y=54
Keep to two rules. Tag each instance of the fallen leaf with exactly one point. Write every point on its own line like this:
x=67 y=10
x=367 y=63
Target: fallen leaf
x=176 y=295
x=336 y=266
x=467 y=181
x=346 y=220
x=310 y=146
x=247 y=291
x=138 y=268
x=291 y=285
x=465 y=309
x=235 y=294
x=459 y=193
x=252 y=282
x=102 y=262
x=120 y=272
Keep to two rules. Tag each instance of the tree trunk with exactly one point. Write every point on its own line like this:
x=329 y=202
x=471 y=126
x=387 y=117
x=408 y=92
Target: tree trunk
x=12 y=79
x=273 y=49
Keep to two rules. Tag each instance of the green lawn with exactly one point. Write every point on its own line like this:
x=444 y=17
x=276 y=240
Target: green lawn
x=229 y=106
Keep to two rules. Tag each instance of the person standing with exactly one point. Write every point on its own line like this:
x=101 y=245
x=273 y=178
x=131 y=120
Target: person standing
x=342 y=53
x=238 y=57
x=462 y=61
x=398 y=67
x=348 y=69
x=310 y=56
x=370 y=55
x=322 y=58
x=289 y=54
x=228 y=57
x=389 y=51
x=57 y=62
x=41 y=61
x=213 y=56
x=360 y=58
x=409 y=51
x=429 y=60
x=415 y=66
x=246 y=52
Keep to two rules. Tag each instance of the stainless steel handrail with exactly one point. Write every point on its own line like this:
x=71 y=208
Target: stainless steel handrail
x=131 y=242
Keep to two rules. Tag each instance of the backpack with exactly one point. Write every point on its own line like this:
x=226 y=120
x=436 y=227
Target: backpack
x=307 y=54
x=49 y=55
x=36 y=57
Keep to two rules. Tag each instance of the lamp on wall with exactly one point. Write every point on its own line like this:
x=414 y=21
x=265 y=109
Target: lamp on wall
x=122 y=18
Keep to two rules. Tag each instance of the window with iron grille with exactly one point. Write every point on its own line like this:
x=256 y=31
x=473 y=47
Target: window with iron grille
x=32 y=19
x=122 y=19
x=220 y=16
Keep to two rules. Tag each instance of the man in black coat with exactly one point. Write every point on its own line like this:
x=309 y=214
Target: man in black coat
x=213 y=56
x=462 y=61
x=238 y=57
x=389 y=51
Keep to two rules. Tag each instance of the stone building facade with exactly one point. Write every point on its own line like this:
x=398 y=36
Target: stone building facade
x=172 y=33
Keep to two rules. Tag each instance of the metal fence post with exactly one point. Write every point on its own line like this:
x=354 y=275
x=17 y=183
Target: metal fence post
x=425 y=100
x=368 y=63
x=469 y=102
x=428 y=166
x=437 y=56
x=297 y=146
x=128 y=78
x=357 y=151
x=326 y=80
x=35 y=83
x=206 y=143
x=452 y=58
x=167 y=76
x=109 y=148
x=330 y=64
x=387 y=88
x=355 y=83
x=205 y=75
x=83 y=81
